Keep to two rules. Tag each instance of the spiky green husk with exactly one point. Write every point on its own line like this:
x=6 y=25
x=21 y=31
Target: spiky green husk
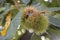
x=36 y=20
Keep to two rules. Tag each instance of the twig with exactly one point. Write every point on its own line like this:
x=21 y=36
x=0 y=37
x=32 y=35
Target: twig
x=16 y=4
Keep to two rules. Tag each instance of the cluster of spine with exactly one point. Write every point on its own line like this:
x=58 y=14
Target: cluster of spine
x=35 y=20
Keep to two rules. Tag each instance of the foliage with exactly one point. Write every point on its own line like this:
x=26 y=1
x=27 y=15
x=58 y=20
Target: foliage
x=13 y=9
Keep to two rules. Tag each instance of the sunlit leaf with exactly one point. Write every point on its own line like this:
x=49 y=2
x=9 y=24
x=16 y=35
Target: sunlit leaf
x=54 y=21
x=13 y=26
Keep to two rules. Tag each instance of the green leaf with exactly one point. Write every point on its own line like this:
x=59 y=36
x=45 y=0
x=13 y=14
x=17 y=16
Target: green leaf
x=35 y=2
x=35 y=37
x=17 y=35
x=7 y=8
x=13 y=26
x=14 y=12
x=54 y=34
x=58 y=1
x=25 y=1
x=57 y=16
x=2 y=9
x=2 y=2
x=42 y=7
x=54 y=21
x=53 y=9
